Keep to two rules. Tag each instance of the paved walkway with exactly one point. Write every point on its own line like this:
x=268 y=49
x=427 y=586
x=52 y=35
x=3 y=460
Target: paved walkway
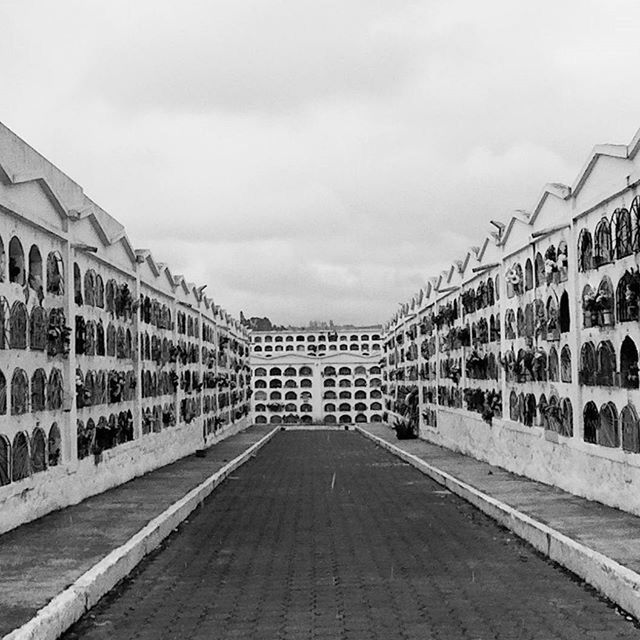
x=40 y=559
x=609 y=531
x=324 y=536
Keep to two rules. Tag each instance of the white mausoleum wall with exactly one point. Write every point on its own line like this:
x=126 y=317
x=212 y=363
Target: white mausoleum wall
x=610 y=476
x=71 y=483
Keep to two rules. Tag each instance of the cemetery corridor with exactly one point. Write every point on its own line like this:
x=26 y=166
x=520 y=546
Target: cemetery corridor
x=325 y=535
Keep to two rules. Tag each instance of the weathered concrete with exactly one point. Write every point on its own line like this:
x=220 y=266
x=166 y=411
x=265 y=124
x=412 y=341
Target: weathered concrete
x=596 y=542
x=325 y=536
x=54 y=568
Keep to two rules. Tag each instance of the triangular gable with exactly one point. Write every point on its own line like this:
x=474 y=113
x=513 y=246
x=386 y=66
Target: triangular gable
x=146 y=273
x=455 y=278
x=126 y=245
x=181 y=284
x=451 y=273
x=153 y=274
x=151 y=263
x=465 y=263
x=481 y=250
x=516 y=233
x=606 y=152
x=122 y=248
x=22 y=163
x=88 y=231
x=553 y=193
x=146 y=262
x=121 y=252
x=30 y=194
x=634 y=146
x=168 y=276
x=489 y=252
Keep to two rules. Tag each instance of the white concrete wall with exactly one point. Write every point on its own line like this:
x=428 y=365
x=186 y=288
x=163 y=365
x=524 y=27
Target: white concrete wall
x=608 y=184
x=610 y=476
x=71 y=483
x=42 y=207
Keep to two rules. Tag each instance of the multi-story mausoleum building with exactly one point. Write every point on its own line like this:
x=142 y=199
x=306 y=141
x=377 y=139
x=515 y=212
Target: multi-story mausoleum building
x=524 y=352
x=110 y=364
x=308 y=376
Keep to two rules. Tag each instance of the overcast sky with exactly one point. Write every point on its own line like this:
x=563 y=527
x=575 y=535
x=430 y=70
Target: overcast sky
x=313 y=159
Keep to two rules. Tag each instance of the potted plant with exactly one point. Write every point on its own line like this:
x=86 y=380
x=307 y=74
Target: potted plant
x=589 y=309
x=632 y=379
x=552 y=325
x=454 y=373
x=563 y=265
x=538 y=366
x=604 y=306
x=551 y=265
x=631 y=292
x=549 y=269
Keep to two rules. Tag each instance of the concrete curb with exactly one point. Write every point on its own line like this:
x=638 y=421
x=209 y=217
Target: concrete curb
x=67 y=607
x=617 y=582
x=315 y=427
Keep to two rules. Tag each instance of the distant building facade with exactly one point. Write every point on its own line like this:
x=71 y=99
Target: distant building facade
x=308 y=376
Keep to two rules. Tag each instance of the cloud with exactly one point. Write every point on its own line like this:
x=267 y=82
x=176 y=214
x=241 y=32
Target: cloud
x=322 y=159
x=249 y=56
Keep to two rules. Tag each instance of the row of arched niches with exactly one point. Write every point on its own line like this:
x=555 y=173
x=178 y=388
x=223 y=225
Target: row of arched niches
x=347 y=393
x=35 y=340
x=543 y=360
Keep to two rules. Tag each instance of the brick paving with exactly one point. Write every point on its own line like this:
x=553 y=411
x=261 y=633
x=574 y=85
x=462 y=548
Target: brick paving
x=40 y=559
x=325 y=535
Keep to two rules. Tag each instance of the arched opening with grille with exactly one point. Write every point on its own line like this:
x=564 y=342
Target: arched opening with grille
x=585 y=251
x=622 y=229
x=565 y=364
x=629 y=364
x=539 y=270
x=528 y=275
x=591 y=422
x=630 y=429
x=588 y=364
x=553 y=368
x=16 y=262
x=514 y=407
x=565 y=315
x=38 y=451
x=21 y=457
x=608 y=433
x=606 y=364
x=567 y=418
x=602 y=245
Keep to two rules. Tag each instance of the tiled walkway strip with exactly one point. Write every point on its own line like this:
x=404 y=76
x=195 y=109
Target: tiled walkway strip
x=69 y=605
x=598 y=543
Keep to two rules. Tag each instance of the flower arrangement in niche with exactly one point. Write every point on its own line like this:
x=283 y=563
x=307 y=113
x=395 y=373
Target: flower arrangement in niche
x=632 y=292
x=539 y=363
x=513 y=278
x=553 y=330
x=589 y=309
x=604 y=305
x=562 y=261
